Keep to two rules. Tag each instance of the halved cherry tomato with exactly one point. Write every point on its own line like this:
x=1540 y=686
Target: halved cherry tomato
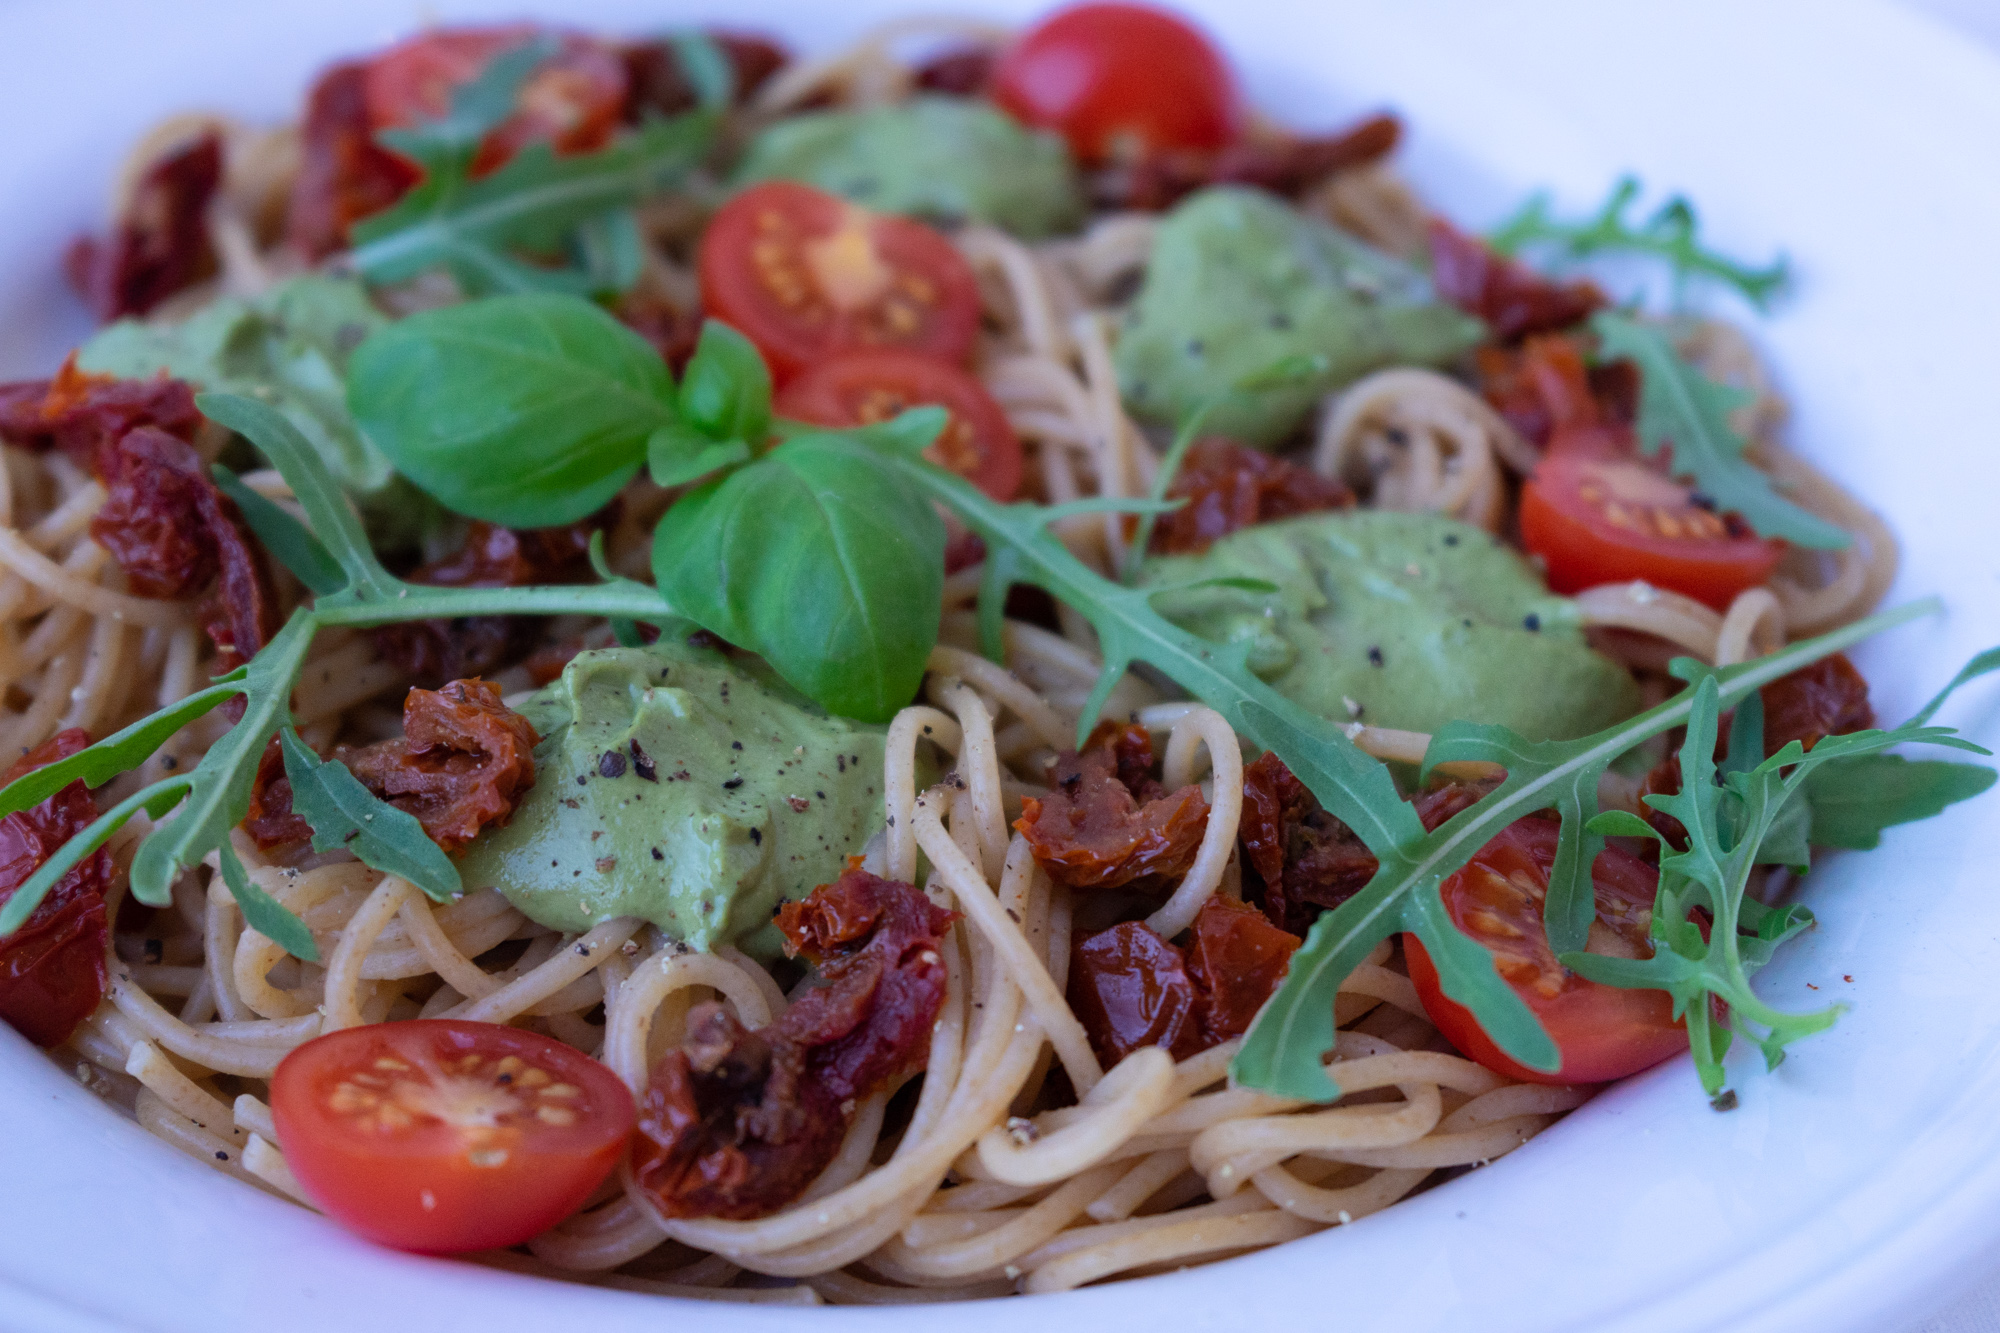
x=806 y=275
x=1120 y=82
x=573 y=101
x=1603 y=1032
x=1596 y=515
x=864 y=387
x=442 y=1136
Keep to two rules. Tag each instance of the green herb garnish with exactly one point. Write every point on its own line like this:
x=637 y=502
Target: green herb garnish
x=1672 y=234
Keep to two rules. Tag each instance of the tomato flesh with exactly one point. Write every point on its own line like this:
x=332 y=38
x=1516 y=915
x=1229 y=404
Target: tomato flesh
x=1595 y=515
x=806 y=275
x=862 y=388
x=441 y=1136
x=572 y=101
x=1120 y=81
x=1603 y=1032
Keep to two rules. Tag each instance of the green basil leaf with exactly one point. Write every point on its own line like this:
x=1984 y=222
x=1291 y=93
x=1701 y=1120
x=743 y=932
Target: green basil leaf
x=677 y=454
x=1854 y=799
x=726 y=390
x=525 y=411
x=820 y=558
x=346 y=816
x=283 y=536
x=263 y=913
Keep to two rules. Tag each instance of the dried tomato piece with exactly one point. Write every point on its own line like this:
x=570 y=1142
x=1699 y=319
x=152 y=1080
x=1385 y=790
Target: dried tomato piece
x=1828 y=698
x=1130 y=988
x=52 y=970
x=1305 y=860
x=462 y=764
x=737 y=1123
x=964 y=71
x=174 y=533
x=673 y=330
x=1094 y=830
x=1546 y=385
x=434 y=651
x=1281 y=164
x=1229 y=487
x=160 y=245
x=1237 y=959
x=271 y=821
x=84 y=414
x=1513 y=299
x=657 y=84
x=344 y=175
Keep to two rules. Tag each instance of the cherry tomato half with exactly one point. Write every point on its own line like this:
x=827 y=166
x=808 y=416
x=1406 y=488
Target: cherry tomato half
x=1120 y=81
x=573 y=100
x=1603 y=1032
x=865 y=387
x=806 y=275
x=442 y=1136
x=1595 y=516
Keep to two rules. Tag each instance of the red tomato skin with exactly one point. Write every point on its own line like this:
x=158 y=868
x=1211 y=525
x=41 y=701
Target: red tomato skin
x=377 y=1186
x=1118 y=80
x=1581 y=549
x=1602 y=1032
x=979 y=442
x=790 y=318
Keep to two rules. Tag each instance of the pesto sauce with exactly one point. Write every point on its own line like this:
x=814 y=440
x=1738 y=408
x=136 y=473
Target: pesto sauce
x=1415 y=620
x=738 y=795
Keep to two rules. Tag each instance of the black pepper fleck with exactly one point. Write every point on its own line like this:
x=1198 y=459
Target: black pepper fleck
x=1374 y=655
x=1531 y=622
x=611 y=764
x=642 y=764
x=581 y=779
x=659 y=855
x=1451 y=539
x=736 y=745
x=757 y=836
x=732 y=784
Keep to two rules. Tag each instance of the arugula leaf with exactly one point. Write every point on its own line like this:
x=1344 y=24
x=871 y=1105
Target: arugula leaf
x=283 y=536
x=263 y=913
x=1678 y=406
x=155 y=800
x=1729 y=813
x=533 y=203
x=347 y=816
x=218 y=789
x=1672 y=233
x=478 y=106
x=1852 y=801
x=820 y=557
x=526 y=411
x=120 y=752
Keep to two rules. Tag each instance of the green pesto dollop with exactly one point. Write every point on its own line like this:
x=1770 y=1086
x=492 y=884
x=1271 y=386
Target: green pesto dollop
x=947 y=159
x=1415 y=619
x=754 y=797
x=1240 y=282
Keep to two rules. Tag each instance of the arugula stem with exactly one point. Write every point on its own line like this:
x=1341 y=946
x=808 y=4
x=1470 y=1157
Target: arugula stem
x=625 y=600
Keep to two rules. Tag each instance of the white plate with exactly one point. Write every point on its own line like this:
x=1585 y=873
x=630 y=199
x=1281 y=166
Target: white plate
x=1856 y=1187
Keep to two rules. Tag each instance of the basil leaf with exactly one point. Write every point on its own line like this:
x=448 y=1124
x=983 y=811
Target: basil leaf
x=1853 y=800
x=283 y=536
x=1681 y=407
x=526 y=411
x=346 y=816
x=263 y=913
x=822 y=559
x=677 y=455
x=726 y=390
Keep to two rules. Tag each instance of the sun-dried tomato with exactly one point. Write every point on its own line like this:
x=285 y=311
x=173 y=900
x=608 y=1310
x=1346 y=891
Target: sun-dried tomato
x=1107 y=822
x=1130 y=988
x=160 y=244
x=961 y=71
x=174 y=534
x=344 y=175
x=1228 y=487
x=462 y=764
x=737 y=1123
x=433 y=651
x=673 y=330
x=658 y=85
x=1283 y=165
x=271 y=821
x=1827 y=698
x=84 y=414
x=53 y=969
x=1306 y=861
x=1546 y=385
x=1513 y=299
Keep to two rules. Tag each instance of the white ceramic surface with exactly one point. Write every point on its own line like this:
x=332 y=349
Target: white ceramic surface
x=1856 y=1188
